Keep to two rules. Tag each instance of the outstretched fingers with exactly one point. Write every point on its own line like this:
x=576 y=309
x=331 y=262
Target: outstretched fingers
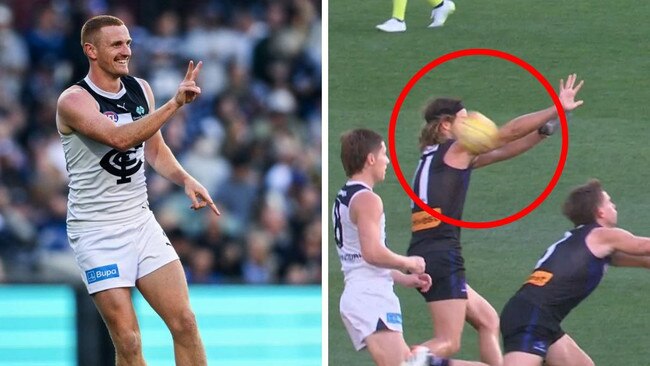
x=190 y=70
x=195 y=72
x=579 y=86
x=569 y=82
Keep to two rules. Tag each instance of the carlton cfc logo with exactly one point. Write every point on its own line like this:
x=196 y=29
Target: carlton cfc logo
x=121 y=164
x=112 y=115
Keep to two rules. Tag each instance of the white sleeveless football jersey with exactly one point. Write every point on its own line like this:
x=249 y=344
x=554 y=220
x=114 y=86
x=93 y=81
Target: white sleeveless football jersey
x=106 y=184
x=346 y=235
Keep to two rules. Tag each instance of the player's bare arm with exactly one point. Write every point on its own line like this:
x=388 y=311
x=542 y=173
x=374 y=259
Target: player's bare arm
x=528 y=123
x=420 y=281
x=621 y=259
x=534 y=121
x=605 y=241
x=365 y=212
x=78 y=111
x=461 y=158
x=163 y=161
x=508 y=150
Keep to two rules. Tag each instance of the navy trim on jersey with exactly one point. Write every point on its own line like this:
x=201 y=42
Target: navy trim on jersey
x=350 y=191
x=132 y=100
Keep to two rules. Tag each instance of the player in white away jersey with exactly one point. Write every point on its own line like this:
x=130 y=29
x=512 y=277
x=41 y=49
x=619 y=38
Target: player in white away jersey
x=109 y=126
x=369 y=308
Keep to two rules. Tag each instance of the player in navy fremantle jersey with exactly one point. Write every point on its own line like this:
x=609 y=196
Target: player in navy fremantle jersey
x=369 y=308
x=566 y=274
x=109 y=125
x=441 y=180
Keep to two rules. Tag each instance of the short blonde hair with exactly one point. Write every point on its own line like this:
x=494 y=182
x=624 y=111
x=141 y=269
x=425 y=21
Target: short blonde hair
x=94 y=24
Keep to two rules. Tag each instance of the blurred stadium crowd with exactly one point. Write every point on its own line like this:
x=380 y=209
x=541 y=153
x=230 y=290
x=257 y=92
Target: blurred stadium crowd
x=253 y=138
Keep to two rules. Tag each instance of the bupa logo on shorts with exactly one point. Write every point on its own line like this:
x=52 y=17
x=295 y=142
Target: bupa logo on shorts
x=112 y=115
x=394 y=318
x=102 y=273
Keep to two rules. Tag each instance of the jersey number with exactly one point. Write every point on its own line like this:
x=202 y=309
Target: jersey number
x=338 y=227
x=551 y=249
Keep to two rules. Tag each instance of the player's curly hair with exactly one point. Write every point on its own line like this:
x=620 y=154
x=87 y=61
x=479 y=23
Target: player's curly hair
x=582 y=203
x=355 y=147
x=435 y=112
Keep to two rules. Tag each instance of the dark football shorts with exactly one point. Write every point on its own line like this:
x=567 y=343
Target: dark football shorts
x=447 y=271
x=527 y=328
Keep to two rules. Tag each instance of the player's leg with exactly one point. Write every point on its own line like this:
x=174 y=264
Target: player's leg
x=566 y=352
x=396 y=22
x=528 y=333
x=116 y=309
x=446 y=299
x=108 y=263
x=166 y=291
x=448 y=318
x=482 y=316
x=387 y=348
x=422 y=356
x=464 y=363
x=441 y=11
x=522 y=359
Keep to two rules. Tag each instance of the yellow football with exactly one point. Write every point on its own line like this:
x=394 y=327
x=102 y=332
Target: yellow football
x=476 y=133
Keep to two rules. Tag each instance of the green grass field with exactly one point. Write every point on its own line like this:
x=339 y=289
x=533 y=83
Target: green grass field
x=605 y=45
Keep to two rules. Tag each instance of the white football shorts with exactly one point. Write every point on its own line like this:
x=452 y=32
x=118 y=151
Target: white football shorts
x=363 y=306
x=116 y=255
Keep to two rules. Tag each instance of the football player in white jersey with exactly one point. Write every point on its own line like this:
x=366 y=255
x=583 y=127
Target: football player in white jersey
x=108 y=124
x=369 y=308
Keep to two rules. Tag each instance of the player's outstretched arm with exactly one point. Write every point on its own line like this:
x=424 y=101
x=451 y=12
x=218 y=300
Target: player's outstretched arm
x=365 y=211
x=78 y=111
x=606 y=241
x=621 y=259
x=509 y=150
x=524 y=132
x=524 y=125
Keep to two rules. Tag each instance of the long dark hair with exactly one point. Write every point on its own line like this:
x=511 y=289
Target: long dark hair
x=437 y=111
